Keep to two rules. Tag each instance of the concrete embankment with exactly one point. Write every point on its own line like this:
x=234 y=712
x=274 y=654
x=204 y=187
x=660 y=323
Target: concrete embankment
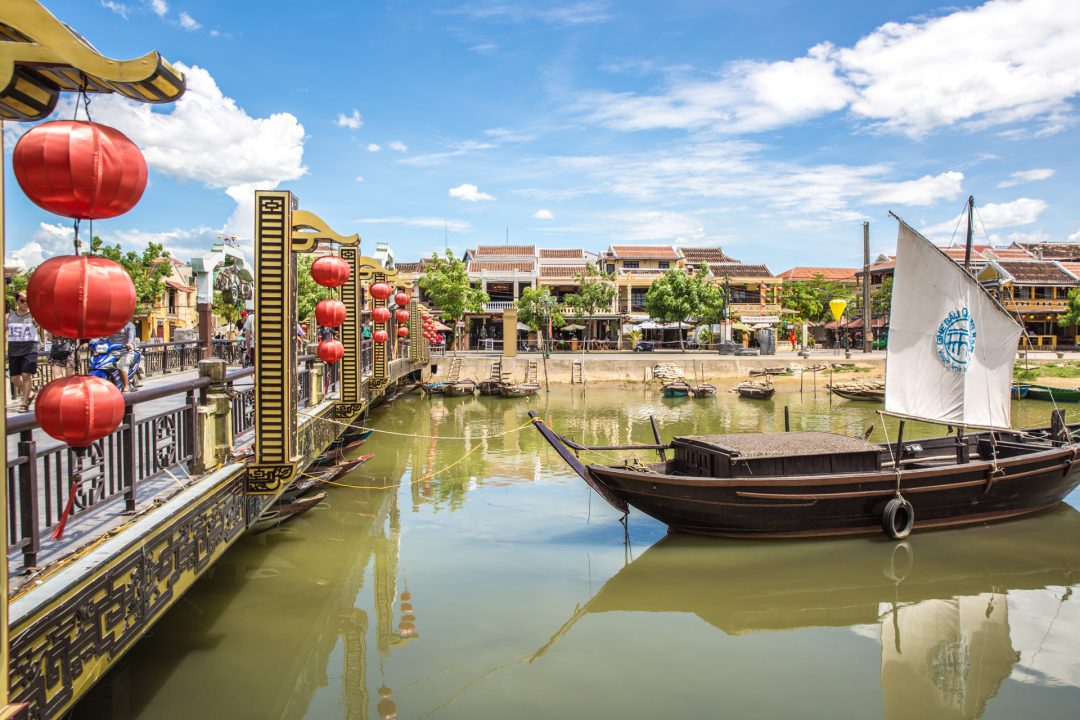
x=638 y=368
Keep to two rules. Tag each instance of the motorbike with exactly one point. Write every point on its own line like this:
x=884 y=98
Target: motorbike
x=103 y=359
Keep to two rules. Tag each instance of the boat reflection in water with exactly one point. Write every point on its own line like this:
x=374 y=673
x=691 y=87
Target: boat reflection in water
x=939 y=603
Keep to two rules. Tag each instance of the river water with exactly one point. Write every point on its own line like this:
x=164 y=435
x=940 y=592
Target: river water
x=458 y=577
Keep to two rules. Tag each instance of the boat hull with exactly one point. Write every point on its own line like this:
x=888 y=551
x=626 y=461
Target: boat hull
x=756 y=393
x=520 y=390
x=1050 y=394
x=459 y=389
x=846 y=504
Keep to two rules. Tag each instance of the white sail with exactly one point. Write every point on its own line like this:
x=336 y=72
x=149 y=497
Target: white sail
x=951 y=345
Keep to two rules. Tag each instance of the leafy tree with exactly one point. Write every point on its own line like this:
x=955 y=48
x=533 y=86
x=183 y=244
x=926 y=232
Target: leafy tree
x=16 y=284
x=596 y=291
x=881 y=297
x=148 y=270
x=532 y=308
x=446 y=283
x=678 y=296
x=309 y=292
x=227 y=306
x=810 y=298
x=1071 y=316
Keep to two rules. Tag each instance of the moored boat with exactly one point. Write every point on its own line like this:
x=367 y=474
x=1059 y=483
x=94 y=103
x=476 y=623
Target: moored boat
x=460 y=388
x=806 y=484
x=519 y=389
x=320 y=477
x=1050 y=394
x=872 y=389
x=678 y=388
x=490 y=386
x=704 y=390
x=283 y=512
x=755 y=390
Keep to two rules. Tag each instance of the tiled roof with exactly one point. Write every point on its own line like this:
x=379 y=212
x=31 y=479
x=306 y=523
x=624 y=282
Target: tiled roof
x=561 y=271
x=504 y=250
x=697 y=255
x=1036 y=272
x=561 y=253
x=739 y=270
x=642 y=271
x=525 y=266
x=1053 y=250
x=412 y=267
x=1073 y=267
x=644 y=252
x=957 y=253
x=178 y=285
x=828 y=273
x=1009 y=253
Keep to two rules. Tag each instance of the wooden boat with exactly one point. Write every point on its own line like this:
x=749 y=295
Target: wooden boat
x=811 y=484
x=336 y=451
x=1019 y=391
x=433 y=388
x=519 y=390
x=678 y=388
x=283 y=512
x=755 y=390
x=490 y=386
x=704 y=390
x=358 y=434
x=1051 y=394
x=872 y=389
x=460 y=388
x=317 y=479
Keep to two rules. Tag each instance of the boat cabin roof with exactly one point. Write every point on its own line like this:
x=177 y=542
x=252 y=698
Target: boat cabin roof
x=781 y=444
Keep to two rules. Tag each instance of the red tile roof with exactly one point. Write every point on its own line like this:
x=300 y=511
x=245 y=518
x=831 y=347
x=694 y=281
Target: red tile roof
x=525 y=266
x=698 y=255
x=644 y=252
x=561 y=271
x=1036 y=272
x=178 y=285
x=1009 y=253
x=411 y=267
x=828 y=273
x=1053 y=250
x=504 y=250
x=739 y=270
x=562 y=253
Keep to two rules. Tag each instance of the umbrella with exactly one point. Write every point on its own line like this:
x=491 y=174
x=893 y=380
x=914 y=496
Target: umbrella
x=523 y=326
x=571 y=328
x=740 y=326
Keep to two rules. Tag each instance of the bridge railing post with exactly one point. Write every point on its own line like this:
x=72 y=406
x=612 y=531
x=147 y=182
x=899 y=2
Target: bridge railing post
x=316 y=375
x=213 y=419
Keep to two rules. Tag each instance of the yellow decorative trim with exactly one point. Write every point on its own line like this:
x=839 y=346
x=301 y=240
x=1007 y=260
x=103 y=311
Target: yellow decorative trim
x=308 y=229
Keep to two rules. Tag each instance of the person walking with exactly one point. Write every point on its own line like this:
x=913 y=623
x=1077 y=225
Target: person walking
x=249 y=337
x=22 y=338
x=792 y=338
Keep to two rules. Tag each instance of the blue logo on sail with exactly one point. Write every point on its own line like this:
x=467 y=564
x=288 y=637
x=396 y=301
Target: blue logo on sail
x=955 y=340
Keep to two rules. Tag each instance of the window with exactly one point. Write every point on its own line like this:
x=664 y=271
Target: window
x=610 y=268
x=664 y=264
x=172 y=301
x=630 y=264
x=637 y=299
x=1044 y=293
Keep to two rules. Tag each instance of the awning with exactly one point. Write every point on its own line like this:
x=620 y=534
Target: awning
x=760 y=319
x=178 y=285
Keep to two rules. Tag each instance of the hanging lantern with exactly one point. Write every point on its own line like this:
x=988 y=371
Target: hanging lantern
x=402 y=316
x=380 y=336
x=401 y=299
x=330 y=351
x=380 y=291
x=79 y=410
x=380 y=314
x=330 y=313
x=426 y=317
x=80 y=169
x=81 y=296
x=403 y=332
x=330 y=271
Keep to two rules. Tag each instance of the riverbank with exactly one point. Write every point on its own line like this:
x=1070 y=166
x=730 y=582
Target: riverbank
x=627 y=368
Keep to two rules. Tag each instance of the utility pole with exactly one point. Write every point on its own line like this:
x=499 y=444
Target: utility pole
x=867 y=310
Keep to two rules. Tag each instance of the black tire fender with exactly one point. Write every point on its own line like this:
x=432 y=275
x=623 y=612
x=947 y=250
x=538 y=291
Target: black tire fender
x=898 y=518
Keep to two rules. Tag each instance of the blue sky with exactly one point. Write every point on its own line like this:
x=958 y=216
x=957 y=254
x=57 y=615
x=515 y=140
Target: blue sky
x=770 y=128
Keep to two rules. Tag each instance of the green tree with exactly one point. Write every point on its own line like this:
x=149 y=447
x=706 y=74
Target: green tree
x=881 y=297
x=227 y=306
x=679 y=296
x=309 y=292
x=532 y=308
x=446 y=283
x=809 y=299
x=596 y=291
x=16 y=284
x=1071 y=316
x=148 y=270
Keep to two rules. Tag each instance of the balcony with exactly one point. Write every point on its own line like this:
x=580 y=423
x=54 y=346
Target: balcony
x=1029 y=305
x=755 y=309
x=498 y=306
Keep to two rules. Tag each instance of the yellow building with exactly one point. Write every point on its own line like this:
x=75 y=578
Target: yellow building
x=635 y=268
x=174 y=316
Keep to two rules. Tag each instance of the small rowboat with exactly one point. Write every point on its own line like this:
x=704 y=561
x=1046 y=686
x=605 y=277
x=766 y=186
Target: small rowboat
x=1019 y=391
x=317 y=479
x=872 y=389
x=489 y=386
x=675 y=389
x=433 y=388
x=1053 y=394
x=704 y=390
x=336 y=452
x=519 y=390
x=755 y=390
x=460 y=388
x=283 y=512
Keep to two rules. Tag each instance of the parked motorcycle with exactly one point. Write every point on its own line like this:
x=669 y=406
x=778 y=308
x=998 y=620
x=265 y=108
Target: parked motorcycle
x=103 y=364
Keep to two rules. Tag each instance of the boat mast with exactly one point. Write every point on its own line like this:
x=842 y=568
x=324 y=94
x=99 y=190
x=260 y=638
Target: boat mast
x=970 y=233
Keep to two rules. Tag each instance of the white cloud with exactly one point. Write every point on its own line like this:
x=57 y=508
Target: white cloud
x=655 y=225
x=990 y=217
x=49 y=240
x=424 y=222
x=189 y=23
x=374 y=147
x=160 y=7
x=581 y=13
x=544 y=214
x=1032 y=237
x=1026 y=176
x=1003 y=62
x=927 y=190
x=469 y=193
x=1074 y=237
x=359 y=178
x=398 y=146
x=458 y=150
x=117 y=7
x=353 y=122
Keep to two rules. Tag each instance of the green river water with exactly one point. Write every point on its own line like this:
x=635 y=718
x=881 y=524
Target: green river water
x=503 y=588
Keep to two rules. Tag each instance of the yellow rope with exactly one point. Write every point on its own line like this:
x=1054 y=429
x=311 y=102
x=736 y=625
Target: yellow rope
x=412 y=435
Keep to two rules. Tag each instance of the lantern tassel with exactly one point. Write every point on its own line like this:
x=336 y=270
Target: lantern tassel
x=58 y=533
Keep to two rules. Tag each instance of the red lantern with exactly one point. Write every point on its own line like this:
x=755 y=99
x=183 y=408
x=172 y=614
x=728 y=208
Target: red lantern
x=380 y=336
x=330 y=351
x=330 y=271
x=330 y=313
x=79 y=410
x=401 y=299
x=380 y=314
x=380 y=291
x=81 y=296
x=402 y=316
x=426 y=317
x=403 y=332
x=80 y=169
